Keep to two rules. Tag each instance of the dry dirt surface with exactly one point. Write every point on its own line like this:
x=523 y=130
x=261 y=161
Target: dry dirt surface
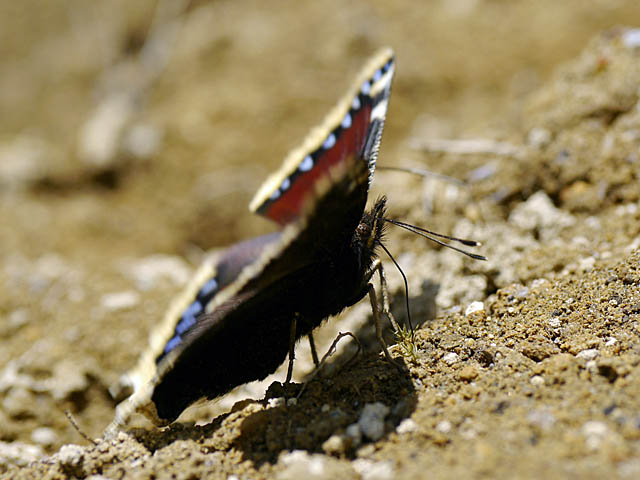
x=132 y=137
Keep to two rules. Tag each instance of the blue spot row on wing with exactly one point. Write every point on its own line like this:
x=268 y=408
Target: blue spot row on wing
x=377 y=75
x=189 y=316
x=309 y=161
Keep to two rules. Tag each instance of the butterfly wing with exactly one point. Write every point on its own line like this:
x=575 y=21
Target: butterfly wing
x=196 y=299
x=353 y=128
x=246 y=336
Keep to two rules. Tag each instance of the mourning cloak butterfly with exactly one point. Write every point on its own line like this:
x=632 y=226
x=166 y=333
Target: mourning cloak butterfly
x=234 y=321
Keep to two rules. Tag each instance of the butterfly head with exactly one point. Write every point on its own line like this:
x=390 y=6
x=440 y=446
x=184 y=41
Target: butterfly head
x=371 y=228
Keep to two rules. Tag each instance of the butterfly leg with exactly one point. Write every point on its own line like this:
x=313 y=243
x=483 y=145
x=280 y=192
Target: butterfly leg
x=384 y=293
x=292 y=347
x=378 y=322
x=314 y=352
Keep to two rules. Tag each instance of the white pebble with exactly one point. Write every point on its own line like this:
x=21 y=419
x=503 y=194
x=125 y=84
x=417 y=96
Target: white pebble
x=71 y=455
x=149 y=271
x=353 y=431
x=370 y=470
x=589 y=354
x=594 y=433
x=444 y=426
x=44 y=436
x=539 y=137
x=541 y=418
x=276 y=402
x=300 y=464
x=474 y=307
x=142 y=140
x=371 y=420
x=536 y=380
x=125 y=300
x=407 y=426
x=631 y=38
x=450 y=358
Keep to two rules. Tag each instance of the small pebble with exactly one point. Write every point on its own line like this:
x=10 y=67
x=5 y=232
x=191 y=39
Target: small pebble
x=142 y=141
x=18 y=318
x=355 y=434
x=444 y=426
x=300 y=464
x=407 y=426
x=587 y=264
x=99 y=140
x=468 y=373
x=44 y=436
x=482 y=173
x=589 y=354
x=276 y=402
x=537 y=380
x=68 y=378
x=450 y=358
x=371 y=420
x=292 y=402
x=370 y=470
x=554 y=322
x=540 y=213
x=474 y=307
x=594 y=433
x=70 y=455
x=149 y=271
x=18 y=402
x=126 y=300
x=542 y=418
x=631 y=38
x=335 y=445
x=538 y=137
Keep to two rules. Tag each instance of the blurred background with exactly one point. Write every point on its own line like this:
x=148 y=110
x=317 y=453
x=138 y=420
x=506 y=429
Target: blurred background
x=133 y=135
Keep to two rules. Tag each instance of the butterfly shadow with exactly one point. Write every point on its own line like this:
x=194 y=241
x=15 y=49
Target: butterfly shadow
x=329 y=404
x=333 y=400
x=299 y=416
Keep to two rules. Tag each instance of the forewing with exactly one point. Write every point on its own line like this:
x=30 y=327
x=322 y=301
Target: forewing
x=353 y=128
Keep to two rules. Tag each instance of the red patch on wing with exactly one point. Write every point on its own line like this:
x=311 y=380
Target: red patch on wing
x=351 y=141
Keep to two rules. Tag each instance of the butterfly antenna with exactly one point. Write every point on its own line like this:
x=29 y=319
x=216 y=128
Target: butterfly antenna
x=432 y=236
x=406 y=286
x=423 y=172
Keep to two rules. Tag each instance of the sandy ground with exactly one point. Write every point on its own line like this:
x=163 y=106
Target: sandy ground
x=132 y=138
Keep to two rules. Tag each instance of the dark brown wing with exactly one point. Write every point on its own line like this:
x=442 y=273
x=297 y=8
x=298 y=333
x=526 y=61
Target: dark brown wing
x=246 y=336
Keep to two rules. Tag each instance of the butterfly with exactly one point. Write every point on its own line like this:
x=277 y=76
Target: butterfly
x=240 y=316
